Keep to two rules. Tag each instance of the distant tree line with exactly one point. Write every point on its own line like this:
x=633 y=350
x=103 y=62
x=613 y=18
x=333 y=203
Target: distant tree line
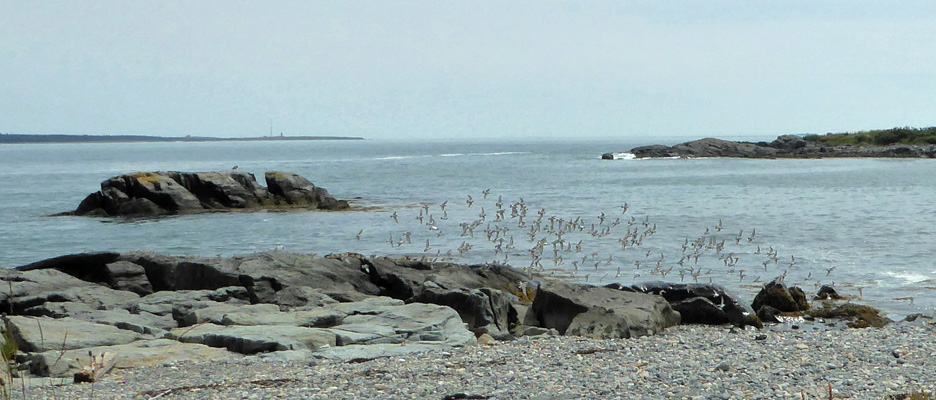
x=879 y=137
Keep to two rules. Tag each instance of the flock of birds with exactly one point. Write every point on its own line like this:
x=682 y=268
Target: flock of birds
x=612 y=246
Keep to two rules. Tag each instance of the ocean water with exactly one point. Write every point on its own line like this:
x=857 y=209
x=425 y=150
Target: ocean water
x=867 y=226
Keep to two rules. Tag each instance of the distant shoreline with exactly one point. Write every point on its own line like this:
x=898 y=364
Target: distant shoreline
x=8 y=138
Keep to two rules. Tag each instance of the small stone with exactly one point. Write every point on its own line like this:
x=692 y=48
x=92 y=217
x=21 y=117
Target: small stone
x=723 y=367
x=486 y=340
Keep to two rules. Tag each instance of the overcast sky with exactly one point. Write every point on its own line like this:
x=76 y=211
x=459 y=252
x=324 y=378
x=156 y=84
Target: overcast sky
x=485 y=69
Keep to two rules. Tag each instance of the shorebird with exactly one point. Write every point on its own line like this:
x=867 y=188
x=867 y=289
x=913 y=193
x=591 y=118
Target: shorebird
x=904 y=299
x=829 y=270
x=485 y=192
x=394 y=216
x=470 y=201
x=361 y=232
x=427 y=246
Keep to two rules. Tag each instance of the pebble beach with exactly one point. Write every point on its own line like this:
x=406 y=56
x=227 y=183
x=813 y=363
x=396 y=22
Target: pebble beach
x=685 y=362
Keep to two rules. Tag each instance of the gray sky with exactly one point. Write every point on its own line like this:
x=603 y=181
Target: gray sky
x=405 y=69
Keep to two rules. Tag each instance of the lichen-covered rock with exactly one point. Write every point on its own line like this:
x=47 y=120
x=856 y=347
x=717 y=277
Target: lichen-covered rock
x=147 y=194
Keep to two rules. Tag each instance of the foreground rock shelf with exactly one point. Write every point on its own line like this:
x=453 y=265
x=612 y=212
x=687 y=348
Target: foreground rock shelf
x=787 y=146
x=147 y=309
x=148 y=194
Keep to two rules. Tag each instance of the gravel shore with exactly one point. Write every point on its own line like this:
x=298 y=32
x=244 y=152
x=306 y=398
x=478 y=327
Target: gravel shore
x=686 y=362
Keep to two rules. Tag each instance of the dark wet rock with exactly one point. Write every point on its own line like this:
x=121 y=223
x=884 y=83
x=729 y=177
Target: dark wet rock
x=403 y=279
x=777 y=295
x=700 y=310
x=607 y=156
x=558 y=304
x=827 y=292
x=768 y=314
x=147 y=194
x=297 y=190
x=787 y=146
x=699 y=303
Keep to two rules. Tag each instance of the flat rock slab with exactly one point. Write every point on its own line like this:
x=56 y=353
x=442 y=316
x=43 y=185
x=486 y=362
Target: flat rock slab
x=31 y=289
x=419 y=322
x=255 y=339
x=143 y=353
x=142 y=322
x=39 y=334
x=260 y=314
x=163 y=303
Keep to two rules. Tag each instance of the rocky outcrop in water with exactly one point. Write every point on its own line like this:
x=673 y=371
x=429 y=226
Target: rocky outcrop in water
x=788 y=146
x=148 y=194
x=151 y=309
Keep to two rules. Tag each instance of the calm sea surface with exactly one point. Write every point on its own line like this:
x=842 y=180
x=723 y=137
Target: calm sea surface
x=868 y=225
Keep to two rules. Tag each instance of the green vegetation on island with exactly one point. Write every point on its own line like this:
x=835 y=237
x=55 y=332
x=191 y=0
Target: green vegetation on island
x=880 y=137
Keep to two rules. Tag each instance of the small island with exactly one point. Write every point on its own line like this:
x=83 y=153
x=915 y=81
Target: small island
x=9 y=138
x=890 y=143
x=152 y=194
